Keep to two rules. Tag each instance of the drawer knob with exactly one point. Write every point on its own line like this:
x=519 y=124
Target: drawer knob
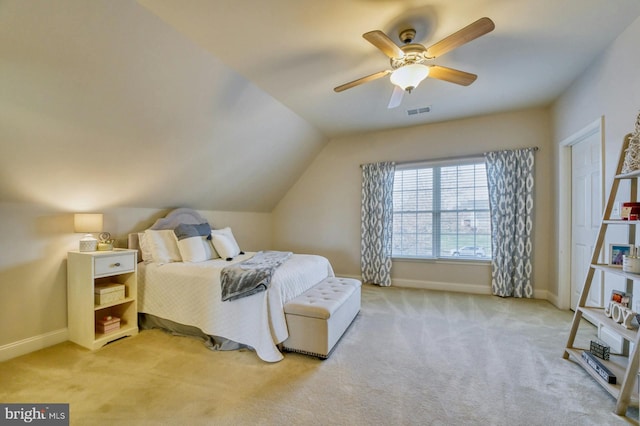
x=116 y=264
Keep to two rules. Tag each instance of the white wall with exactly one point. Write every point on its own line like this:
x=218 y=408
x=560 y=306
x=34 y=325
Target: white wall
x=610 y=87
x=34 y=243
x=105 y=107
x=321 y=212
x=104 y=104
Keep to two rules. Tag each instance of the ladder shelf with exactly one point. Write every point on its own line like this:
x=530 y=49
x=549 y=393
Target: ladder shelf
x=625 y=367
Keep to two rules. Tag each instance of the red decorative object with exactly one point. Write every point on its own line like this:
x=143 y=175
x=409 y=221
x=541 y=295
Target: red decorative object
x=629 y=209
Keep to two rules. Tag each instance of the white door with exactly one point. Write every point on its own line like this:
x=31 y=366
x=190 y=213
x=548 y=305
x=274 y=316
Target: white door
x=586 y=214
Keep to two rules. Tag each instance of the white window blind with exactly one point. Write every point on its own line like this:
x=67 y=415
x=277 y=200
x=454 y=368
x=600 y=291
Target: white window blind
x=441 y=209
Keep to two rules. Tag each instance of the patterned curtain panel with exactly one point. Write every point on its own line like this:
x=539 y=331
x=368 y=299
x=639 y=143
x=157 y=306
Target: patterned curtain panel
x=510 y=180
x=377 y=223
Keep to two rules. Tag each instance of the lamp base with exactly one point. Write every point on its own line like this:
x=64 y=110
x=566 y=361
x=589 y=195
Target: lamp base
x=88 y=243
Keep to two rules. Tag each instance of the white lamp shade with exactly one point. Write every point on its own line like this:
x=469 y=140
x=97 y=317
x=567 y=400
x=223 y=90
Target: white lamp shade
x=87 y=222
x=409 y=76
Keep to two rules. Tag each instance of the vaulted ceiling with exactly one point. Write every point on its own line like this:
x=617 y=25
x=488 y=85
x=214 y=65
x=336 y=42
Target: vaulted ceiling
x=222 y=104
x=299 y=50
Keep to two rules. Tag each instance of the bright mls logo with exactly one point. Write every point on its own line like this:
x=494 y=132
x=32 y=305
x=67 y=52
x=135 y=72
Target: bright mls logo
x=38 y=414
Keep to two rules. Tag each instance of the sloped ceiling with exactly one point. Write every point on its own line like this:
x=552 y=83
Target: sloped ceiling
x=222 y=104
x=299 y=50
x=102 y=104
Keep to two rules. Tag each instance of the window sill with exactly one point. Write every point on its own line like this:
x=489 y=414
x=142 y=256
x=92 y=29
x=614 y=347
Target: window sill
x=444 y=260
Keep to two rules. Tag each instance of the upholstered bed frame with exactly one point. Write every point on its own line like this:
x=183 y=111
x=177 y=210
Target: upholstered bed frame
x=172 y=220
x=147 y=321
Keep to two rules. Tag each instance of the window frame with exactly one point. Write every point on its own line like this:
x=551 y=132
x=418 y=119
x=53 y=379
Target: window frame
x=437 y=209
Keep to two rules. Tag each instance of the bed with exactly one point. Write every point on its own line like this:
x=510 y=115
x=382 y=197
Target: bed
x=181 y=296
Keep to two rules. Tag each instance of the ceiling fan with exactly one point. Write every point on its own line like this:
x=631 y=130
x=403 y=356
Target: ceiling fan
x=409 y=63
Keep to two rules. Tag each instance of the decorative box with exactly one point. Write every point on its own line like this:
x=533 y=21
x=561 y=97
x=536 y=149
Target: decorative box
x=107 y=324
x=107 y=293
x=599 y=349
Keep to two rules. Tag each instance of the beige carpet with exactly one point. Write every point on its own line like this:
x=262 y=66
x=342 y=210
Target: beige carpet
x=412 y=357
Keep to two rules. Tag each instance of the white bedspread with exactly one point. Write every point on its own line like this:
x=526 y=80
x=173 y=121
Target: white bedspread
x=190 y=294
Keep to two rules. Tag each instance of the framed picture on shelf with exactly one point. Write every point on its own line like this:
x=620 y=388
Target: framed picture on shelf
x=621 y=297
x=616 y=251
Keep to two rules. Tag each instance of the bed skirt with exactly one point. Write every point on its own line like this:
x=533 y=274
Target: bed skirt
x=216 y=343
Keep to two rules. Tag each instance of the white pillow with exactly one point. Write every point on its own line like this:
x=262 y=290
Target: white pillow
x=145 y=250
x=163 y=245
x=193 y=242
x=196 y=249
x=224 y=243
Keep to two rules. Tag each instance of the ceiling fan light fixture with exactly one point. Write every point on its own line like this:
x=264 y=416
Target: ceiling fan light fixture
x=409 y=76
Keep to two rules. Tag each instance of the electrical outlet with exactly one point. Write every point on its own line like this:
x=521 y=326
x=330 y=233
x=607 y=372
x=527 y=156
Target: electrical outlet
x=615 y=212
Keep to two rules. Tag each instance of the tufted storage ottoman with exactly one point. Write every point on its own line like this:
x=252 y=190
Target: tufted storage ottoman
x=319 y=317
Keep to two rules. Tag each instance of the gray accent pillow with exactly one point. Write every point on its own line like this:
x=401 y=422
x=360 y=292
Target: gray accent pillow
x=185 y=230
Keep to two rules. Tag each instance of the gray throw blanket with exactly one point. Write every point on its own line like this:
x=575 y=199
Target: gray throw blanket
x=252 y=275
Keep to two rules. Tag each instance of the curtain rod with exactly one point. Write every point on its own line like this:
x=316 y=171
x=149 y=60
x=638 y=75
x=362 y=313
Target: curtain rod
x=535 y=148
x=461 y=157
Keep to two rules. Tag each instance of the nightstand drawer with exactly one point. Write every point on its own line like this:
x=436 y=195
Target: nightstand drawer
x=116 y=264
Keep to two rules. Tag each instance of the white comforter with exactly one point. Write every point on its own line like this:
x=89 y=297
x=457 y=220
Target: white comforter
x=190 y=294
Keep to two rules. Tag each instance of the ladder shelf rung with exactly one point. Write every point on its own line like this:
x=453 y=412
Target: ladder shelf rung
x=616 y=270
x=620 y=222
x=598 y=315
x=631 y=175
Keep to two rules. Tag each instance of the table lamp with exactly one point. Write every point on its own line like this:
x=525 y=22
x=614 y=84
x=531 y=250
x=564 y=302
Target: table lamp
x=89 y=223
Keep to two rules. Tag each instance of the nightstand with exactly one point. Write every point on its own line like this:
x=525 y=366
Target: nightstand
x=85 y=272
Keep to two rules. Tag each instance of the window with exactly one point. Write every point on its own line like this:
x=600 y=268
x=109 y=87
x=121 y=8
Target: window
x=441 y=209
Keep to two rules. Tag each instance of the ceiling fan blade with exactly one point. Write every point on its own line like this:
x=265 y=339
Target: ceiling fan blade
x=384 y=43
x=396 y=97
x=451 y=75
x=362 y=80
x=471 y=32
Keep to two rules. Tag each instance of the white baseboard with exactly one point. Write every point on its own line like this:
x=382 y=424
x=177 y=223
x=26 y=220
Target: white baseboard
x=458 y=287
x=432 y=285
x=554 y=300
x=32 y=344
x=442 y=286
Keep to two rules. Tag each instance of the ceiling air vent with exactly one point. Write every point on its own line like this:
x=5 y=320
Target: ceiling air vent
x=416 y=111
